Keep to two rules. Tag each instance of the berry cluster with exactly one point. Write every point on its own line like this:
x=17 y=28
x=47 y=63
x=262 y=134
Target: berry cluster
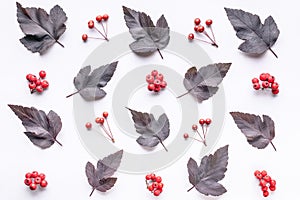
x=201 y=29
x=100 y=121
x=268 y=81
x=91 y=24
x=34 y=179
x=203 y=123
x=265 y=181
x=37 y=84
x=156 y=81
x=154 y=184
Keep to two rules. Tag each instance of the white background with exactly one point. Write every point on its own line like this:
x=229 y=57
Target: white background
x=64 y=166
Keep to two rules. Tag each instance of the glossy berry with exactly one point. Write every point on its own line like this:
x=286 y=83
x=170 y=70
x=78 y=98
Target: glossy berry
x=28 y=175
x=262 y=183
x=155 y=184
x=259 y=176
x=38 y=82
x=33 y=186
x=191 y=36
x=148 y=177
x=43 y=183
x=42 y=176
x=99 y=120
x=160 y=77
x=105 y=114
x=264 y=188
x=157 y=83
x=91 y=24
x=256 y=173
x=37 y=180
x=105 y=17
x=194 y=127
x=255 y=80
x=33 y=78
x=88 y=125
x=151 y=87
x=200 y=29
x=275 y=91
x=156 y=89
x=99 y=18
x=42 y=74
x=158 y=179
x=31 y=86
x=272 y=183
x=196 y=28
x=34 y=174
x=153 y=177
x=160 y=186
x=157 y=192
x=84 y=37
x=264 y=173
x=149 y=78
x=265 y=84
x=163 y=84
x=150 y=188
x=267 y=76
x=208 y=121
x=274 y=86
x=45 y=84
x=197 y=21
x=256 y=86
x=272 y=188
x=185 y=136
x=271 y=79
x=27 y=181
x=263 y=77
x=39 y=89
x=154 y=72
x=267 y=178
x=28 y=77
x=265 y=193
x=208 y=22
x=201 y=121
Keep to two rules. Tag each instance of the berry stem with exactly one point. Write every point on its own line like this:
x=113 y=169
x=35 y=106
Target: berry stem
x=273 y=145
x=101 y=34
x=213 y=42
x=273 y=52
x=103 y=29
x=107 y=133
x=160 y=53
x=191 y=188
x=96 y=38
x=204 y=41
x=109 y=128
x=162 y=143
x=212 y=32
x=92 y=191
x=203 y=139
x=72 y=94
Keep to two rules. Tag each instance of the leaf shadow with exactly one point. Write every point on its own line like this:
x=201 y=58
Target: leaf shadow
x=203 y=197
x=249 y=55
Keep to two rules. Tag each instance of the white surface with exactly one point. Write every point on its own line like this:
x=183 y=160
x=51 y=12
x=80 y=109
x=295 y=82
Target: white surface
x=64 y=166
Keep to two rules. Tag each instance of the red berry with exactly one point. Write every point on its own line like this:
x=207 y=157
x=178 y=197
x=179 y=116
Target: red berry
x=157 y=83
x=160 y=186
x=259 y=176
x=99 y=120
x=256 y=172
x=154 y=72
x=272 y=188
x=91 y=24
x=272 y=183
x=262 y=183
x=33 y=186
x=197 y=21
x=158 y=179
x=266 y=193
x=196 y=28
x=194 y=127
x=33 y=78
x=105 y=114
x=163 y=84
x=42 y=176
x=149 y=78
x=148 y=177
x=256 y=86
x=157 y=192
x=28 y=175
x=255 y=80
x=105 y=17
x=42 y=74
x=208 y=22
x=275 y=91
x=263 y=77
x=99 y=18
x=37 y=180
x=43 y=183
x=27 y=181
x=156 y=89
x=38 y=82
x=153 y=177
x=200 y=29
x=34 y=174
x=150 y=188
x=264 y=173
x=88 y=125
x=151 y=87
x=28 y=77
x=201 y=121
x=39 y=89
x=191 y=36
x=271 y=79
x=265 y=84
x=185 y=136
x=160 y=77
x=267 y=76
x=264 y=188
x=84 y=37
x=155 y=184
x=267 y=178
x=274 y=86
x=45 y=84
x=32 y=86
x=208 y=121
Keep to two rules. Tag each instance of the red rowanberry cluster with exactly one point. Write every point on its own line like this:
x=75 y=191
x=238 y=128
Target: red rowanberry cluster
x=202 y=122
x=34 y=179
x=265 y=181
x=100 y=121
x=268 y=81
x=37 y=84
x=91 y=24
x=156 y=81
x=154 y=184
x=198 y=28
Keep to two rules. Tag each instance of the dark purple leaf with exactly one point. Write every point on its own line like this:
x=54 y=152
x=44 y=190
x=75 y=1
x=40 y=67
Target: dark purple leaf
x=203 y=84
x=41 y=29
x=258 y=37
x=89 y=84
x=258 y=133
x=149 y=38
x=152 y=131
x=100 y=178
x=41 y=129
x=211 y=170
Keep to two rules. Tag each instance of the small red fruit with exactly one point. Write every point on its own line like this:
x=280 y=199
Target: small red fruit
x=42 y=176
x=33 y=78
x=160 y=186
x=264 y=173
x=263 y=77
x=153 y=177
x=271 y=79
x=266 y=193
x=43 y=183
x=259 y=176
x=32 y=86
x=157 y=192
x=275 y=91
x=156 y=89
x=208 y=22
x=160 y=77
x=185 y=136
x=275 y=86
x=191 y=36
x=256 y=86
x=105 y=17
x=150 y=188
x=262 y=183
x=255 y=80
x=151 y=87
x=197 y=21
x=155 y=184
x=34 y=174
x=84 y=37
x=256 y=172
x=264 y=188
x=208 y=121
x=39 y=89
x=163 y=84
x=45 y=84
x=28 y=175
x=27 y=181
x=272 y=188
x=105 y=114
x=91 y=24
x=272 y=183
x=99 y=120
x=200 y=29
x=194 y=127
x=28 y=77
x=201 y=121
x=148 y=177
x=154 y=72
x=33 y=186
x=158 y=179
x=99 y=18
x=38 y=82
x=196 y=28
x=267 y=178
x=149 y=78
x=157 y=83
x=42 y=74
x=37 y=180
x=265 y=84
x=88 y=125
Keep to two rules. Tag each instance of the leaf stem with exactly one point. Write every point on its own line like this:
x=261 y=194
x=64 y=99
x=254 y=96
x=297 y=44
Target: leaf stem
x=183 y=94
x=58 y=142
x=273 y=145
x=92 y=192
x=273 y=52
x=160 y=53
x=162 y=143
x=58 y=42
x=72 y=94
x=191 y=188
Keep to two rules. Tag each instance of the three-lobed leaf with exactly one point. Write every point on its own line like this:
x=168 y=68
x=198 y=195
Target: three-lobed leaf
x=41 y=29
x=259 y=132
x=203 y=84
x=258 y=37
x=89 y=84
x=100 y=178
x=41 y=129
x=211 y=170
x=152 y=131
x=148 y=37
